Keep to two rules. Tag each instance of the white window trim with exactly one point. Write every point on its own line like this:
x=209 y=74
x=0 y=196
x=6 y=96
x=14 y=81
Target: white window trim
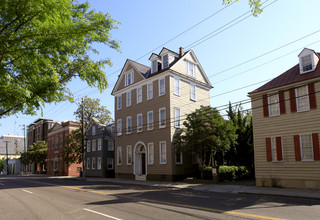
x=111 y=163
x=164 y=86
x=165 y=117
x=160 y=152
x=128 y=101
x=176 y=84
x=88 y=163
x=93 y=163
x=129 y=131
x=139 y=128
x=119 y=130
x=306 y=96
x=149 y=128
x=175 y=157
x=93 y=145
x=119 y=102
x=119 y=155
x=129 y=152
x=269 y=105
x=88 y=145
x=275 y=159
x=131 y=75
x=99 y=163
x=99 y=148
x=301 y=152
x=110 y=141
x=154 y=66
x=139 y=89
x=175 y=117
x=194 y=65
x=148 y=90
x=149 y=159
x=195 y=92
x=312 y=64
x=162 y=58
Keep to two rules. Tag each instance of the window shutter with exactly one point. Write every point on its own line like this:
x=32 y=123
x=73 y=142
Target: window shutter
x=268 y=145
x=279 y=148
x=315 y=141
x=297 y=147
x=265 y=106
x=312 y=96
x=293 y=104
x=282 y=102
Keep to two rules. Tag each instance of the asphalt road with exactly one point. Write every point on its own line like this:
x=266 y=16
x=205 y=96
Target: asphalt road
x=53 y=198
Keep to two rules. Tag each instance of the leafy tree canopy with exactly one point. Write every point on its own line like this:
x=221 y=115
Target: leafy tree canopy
x=43 y=46
x=72 y=153
x=37 y=153
x=255 y=6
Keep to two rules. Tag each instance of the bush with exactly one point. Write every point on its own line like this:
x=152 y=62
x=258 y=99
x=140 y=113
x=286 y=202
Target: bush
x=207 y=173
x=232 y=173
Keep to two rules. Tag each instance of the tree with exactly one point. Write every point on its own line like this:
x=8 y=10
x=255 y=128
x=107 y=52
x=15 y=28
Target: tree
x=204 y=134
x=92 y=109
x=241 y=152
x=37 y=153
x=2 y=162
x=255 y=6
x=72 y=153
x=43 y=46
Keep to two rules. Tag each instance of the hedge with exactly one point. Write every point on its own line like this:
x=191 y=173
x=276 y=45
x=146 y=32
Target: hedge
x=228 y=173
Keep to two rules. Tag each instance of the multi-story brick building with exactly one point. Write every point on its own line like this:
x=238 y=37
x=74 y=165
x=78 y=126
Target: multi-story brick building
x=56 y=142
x=150 y=104
x=38 y=130
x=286 y=126
x=99 y=154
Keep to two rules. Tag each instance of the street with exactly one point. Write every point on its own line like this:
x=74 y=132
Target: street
x=42 y=197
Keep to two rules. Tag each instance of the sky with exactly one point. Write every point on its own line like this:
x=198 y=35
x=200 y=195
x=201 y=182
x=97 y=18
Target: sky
x=237 y=51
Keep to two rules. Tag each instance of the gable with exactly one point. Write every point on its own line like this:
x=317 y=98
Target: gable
x=56 y=127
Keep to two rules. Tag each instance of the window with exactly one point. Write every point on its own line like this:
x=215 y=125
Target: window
x=93 y=130
x=176 y=117
x=274 y=149
x=178 y=156
x=129 y=155
x=119 y=155
x=110 y=163
x=165 y=61
x=162 y=118
x=306 y=147
x=139 y=123
x=191 y=69
x=154 y=66
x=139 y=95
x=274 y=108
x=119 y=102
x=176 y=85
x=192 y=92
x=128 y=96
x=129 y=79
x=88 y=146
x=88 y=163
x=163 y=152
x=99 y=144
x=56 y=142
x=162 y=89
x=110 y=145
x=150 y=91
x=306 y=63
x=93 y=147
x=93 y=165
x=150 y=153
x=302 y=99
x=150 y=120
x=119 y=127
x=99 y=163
x=129 y=125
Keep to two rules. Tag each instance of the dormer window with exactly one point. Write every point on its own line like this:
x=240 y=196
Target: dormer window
x=165 y=61
x=306 y=63
x=129 y=79
x=154 y=66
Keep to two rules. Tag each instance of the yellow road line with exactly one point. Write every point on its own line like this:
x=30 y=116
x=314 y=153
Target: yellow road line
x=167 y=203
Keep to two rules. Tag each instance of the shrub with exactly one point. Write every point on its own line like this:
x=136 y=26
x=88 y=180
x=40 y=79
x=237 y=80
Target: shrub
x=207 y=173
x=232 y=173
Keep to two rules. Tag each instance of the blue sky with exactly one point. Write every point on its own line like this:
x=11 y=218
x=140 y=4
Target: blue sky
x=239 y=55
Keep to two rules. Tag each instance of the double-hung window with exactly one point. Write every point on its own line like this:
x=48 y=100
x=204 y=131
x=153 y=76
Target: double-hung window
x=128 y=96
x=94 y=145
x=110 y=145
x=306 y=147
x=163 y=152
x=99 y=144
x=150 y=91
x=165 y=61
x=129 y=79
x=302 y=99
x=176 y=85
x=139 y=123
x=177 y=117
x=154 y=66
x=150 y=153
x=139 y=95
x=129 y=155
x=162 y=118
x=178 y=155
x=119 y=102
x=99 y=163
x=306 y=63
x=110 y=163
x=119 y=155
x=93 y=165
x=274 y=107
x=129 y=125
x=150 y=120
x=88 y=145
x=191 y=69
x=162 y=87
x=88 y=163
x=193 y=92
x=119 y=127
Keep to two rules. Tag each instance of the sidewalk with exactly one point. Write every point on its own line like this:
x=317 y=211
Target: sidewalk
x=222 y=188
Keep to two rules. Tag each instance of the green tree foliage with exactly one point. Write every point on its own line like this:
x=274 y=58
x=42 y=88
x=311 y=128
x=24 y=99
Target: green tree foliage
x=43 y=46
x=92 y=109
x=255 y=6
x=2 y=164
x=37 y=153
x=241 y=152
x=72 y=153
x=204 y=134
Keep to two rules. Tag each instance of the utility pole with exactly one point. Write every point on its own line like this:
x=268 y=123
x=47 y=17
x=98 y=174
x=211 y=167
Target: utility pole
x=82 y=140
x=7 y=156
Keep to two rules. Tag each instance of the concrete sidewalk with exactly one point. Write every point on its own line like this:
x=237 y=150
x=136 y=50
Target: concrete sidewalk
x=222 y=188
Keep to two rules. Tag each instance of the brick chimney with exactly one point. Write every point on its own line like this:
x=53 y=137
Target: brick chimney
x=181 y=51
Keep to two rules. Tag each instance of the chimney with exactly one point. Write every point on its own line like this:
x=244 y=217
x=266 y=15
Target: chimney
x=181 y=51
